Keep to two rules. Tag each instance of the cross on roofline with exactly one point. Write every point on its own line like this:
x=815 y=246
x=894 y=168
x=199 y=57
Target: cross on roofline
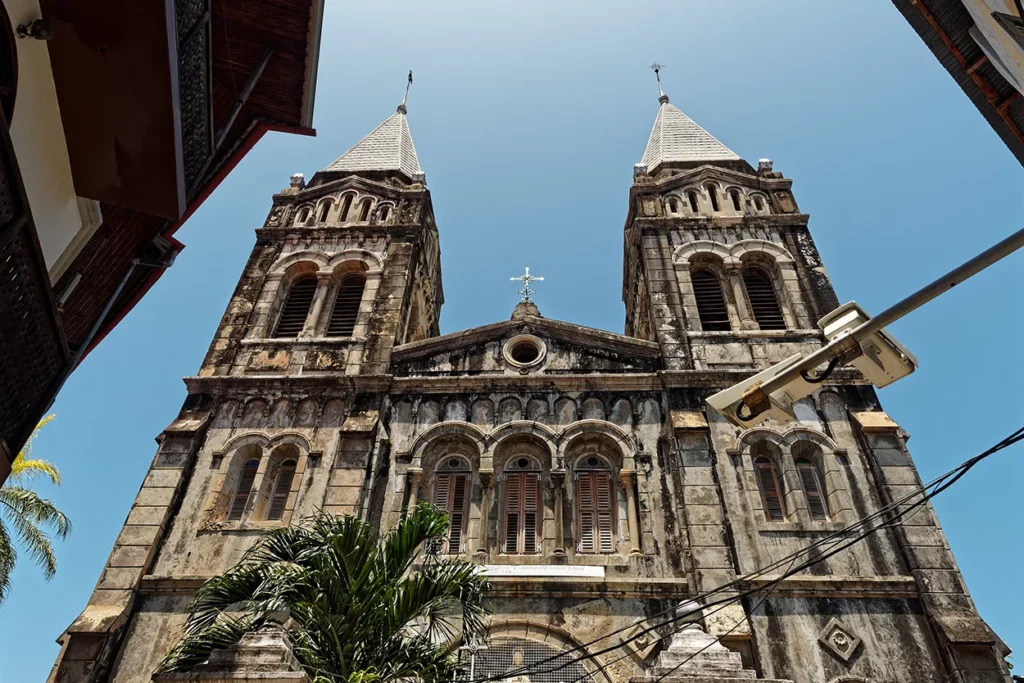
x=526 y=279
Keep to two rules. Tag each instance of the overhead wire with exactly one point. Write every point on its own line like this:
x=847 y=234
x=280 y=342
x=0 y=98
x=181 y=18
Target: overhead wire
x=939 y=484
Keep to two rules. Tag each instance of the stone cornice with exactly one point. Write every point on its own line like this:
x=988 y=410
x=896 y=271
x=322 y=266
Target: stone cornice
x=228 y=384
x=838 y=586
x=641 y=381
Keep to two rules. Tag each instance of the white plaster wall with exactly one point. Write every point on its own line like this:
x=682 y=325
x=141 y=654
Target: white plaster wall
x=1009 y=56
x=38 y=137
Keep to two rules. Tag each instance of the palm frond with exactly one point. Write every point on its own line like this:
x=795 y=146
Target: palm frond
x=24 y=470
x=196 y=648
x=8 y=558
x=22 y=502
x=37 y=544
x=26 y=450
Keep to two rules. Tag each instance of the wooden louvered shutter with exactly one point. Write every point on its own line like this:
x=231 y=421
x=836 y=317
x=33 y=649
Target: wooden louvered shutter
x=513 y=503
x=711 y=309
x=346 y=307
x=771 y=493
x=763 y=301
x=282 y=487
x=451 y=494
x=296 y=307
x=245 y=481
x=603 y=498
x=531 y=510
x=816 y=503
x=585 y=511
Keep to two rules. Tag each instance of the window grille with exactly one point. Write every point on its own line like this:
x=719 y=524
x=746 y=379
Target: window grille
x=594 y=512
x=771 y=492
x=245 y=481
x=282 y=487
x=522 y=513
x=505 y=654
x=711 y=308
x=296 y=307
x=764 y=303
x=346 y=306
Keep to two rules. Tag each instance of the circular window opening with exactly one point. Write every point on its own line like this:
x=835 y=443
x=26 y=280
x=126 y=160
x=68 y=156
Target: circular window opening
x=523 y=463
x=593 y=462
x=524 y=351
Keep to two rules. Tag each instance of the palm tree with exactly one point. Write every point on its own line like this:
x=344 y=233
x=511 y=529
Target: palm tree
x=26 y=512
x=359 y=610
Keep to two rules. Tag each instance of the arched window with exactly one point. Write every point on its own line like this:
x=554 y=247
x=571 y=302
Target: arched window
x=303 y=215
x=707 y=290
x=735 y=196
x=810 y=479
x=451 y=494
x=282 y=487
x=692 y=197
x=383 y=214
x=771 y=492
x=346 y=205
x=364 y=209
x=346 y=306
x=296 y=307
x=713 y=193
x=758 y=202
x=594 y=506
x=673 y=205
x=764 y=303
x=245 y=481
x=325 y=208
x=522 y=507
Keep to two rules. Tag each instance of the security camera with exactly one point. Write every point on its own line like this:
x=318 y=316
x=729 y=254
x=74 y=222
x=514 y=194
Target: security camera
x=882 y=359
x=771 y=393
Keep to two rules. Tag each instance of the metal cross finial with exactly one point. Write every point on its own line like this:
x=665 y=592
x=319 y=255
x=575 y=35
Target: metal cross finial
x=657 y=74
x=526 y=279
x=401 y=107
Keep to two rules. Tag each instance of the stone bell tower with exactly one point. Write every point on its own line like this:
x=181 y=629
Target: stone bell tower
x=282 y=417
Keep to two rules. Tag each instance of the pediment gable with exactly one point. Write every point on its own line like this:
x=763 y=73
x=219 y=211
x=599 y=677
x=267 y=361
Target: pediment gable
x=566 y=349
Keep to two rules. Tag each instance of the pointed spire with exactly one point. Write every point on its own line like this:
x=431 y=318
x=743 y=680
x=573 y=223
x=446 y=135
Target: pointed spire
x=677 y=138
x=388 y=147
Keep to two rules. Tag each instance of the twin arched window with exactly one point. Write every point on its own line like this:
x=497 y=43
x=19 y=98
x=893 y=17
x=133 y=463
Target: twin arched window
x=299 y=301
x=711 y=307
x=769 y=483
x=278 y=493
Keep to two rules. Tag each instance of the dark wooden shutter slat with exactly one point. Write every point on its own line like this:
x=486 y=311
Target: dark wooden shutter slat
x=603 y=496
x=245 y=482
x=771 y=495
x=711 y=308
x=282 y=487
x=457 y=512
x=816 y=504
x=296 y=308
x=513 y=501
x=531 y=495
x=764 y=302
x=346 y=307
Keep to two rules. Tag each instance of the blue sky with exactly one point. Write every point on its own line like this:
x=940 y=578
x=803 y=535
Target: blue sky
x=528 y=118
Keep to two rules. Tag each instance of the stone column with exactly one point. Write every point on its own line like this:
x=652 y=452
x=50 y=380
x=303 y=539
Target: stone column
x=628 y=478
x=487 y=482
x=415 y=474
x=313 y=318
x=735 y=275
x=558 y=485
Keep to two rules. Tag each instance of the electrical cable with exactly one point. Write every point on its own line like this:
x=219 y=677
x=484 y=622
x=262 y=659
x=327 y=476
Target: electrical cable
x=939 y=484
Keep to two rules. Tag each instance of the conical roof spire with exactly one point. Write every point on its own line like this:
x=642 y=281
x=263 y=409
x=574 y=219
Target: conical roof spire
x=388 y=147
x=677 y=138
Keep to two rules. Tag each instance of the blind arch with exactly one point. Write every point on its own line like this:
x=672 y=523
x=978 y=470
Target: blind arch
x=296 y=307
x=711 y=308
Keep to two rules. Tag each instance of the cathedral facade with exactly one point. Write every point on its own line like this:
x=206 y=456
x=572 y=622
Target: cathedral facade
x=580 y=468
